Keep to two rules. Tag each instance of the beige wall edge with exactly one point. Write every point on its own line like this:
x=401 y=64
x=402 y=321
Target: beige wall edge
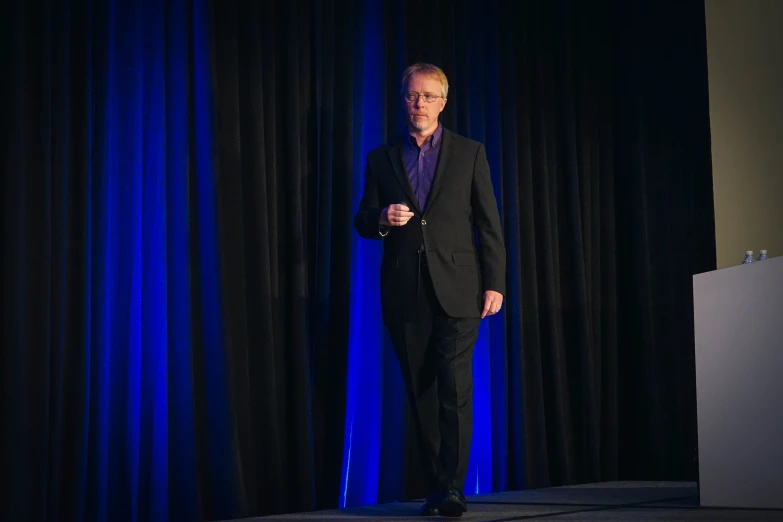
x=745 y=61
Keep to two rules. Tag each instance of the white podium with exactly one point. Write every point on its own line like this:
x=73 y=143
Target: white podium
x=738 y=314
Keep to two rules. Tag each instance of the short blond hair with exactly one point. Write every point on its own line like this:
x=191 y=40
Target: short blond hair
x=426 y=69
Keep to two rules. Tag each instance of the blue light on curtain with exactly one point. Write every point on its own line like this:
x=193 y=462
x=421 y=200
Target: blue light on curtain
x=151 y=213
x=361 y=453
x=498 y=362
x=479 y=477
x=223 y=484
x=497 y=375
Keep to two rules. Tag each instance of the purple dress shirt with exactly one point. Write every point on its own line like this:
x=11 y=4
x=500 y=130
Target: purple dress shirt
x=420 y=164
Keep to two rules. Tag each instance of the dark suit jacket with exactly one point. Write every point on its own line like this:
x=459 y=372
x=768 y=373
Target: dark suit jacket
x=459 y=228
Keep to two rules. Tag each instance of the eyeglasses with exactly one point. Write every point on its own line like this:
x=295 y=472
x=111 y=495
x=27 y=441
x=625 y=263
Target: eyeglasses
x=413 y=96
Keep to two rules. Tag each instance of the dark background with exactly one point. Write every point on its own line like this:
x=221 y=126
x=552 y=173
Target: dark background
x=240 y=134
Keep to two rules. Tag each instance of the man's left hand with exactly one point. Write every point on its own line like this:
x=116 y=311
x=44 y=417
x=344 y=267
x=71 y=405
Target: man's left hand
x=493 y=301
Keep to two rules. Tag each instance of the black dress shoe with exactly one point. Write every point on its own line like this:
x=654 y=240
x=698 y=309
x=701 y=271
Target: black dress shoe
x=430 y=507
x=453 y=504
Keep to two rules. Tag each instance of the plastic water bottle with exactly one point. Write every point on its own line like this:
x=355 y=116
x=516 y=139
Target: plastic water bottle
x=762 y=255
x=748 y=257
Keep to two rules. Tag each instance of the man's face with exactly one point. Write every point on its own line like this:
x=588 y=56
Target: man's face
x=423 y=116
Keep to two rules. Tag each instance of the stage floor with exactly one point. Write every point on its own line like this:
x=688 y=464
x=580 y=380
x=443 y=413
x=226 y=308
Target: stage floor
x=612 y=501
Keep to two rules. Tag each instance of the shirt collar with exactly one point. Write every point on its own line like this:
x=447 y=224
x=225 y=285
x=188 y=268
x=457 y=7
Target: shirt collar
x=434 y=139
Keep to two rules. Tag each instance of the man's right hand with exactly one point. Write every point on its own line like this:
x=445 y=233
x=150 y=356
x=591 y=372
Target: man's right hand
x=395 y=215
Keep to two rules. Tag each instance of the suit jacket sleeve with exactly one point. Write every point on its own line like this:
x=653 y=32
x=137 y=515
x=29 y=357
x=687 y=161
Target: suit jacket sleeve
x=366 y=219
x=492 y=251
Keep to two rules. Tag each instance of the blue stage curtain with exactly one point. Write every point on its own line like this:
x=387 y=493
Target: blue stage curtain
x=112 y=325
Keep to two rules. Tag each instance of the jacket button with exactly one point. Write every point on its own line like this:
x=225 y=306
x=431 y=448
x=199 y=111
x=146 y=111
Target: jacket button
x=423 y=221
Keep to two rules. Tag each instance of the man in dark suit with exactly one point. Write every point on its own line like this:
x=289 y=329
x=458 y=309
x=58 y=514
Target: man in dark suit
x=429 y=197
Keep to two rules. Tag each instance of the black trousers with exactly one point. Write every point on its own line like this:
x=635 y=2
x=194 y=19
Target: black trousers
x=435 y=352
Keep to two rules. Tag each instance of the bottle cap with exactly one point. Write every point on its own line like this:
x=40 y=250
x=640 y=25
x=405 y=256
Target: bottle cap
x=749 y=252
x=762 y=251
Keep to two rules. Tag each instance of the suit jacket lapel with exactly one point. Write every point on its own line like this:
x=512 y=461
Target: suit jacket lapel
x=446 y=149
x=395 y=155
